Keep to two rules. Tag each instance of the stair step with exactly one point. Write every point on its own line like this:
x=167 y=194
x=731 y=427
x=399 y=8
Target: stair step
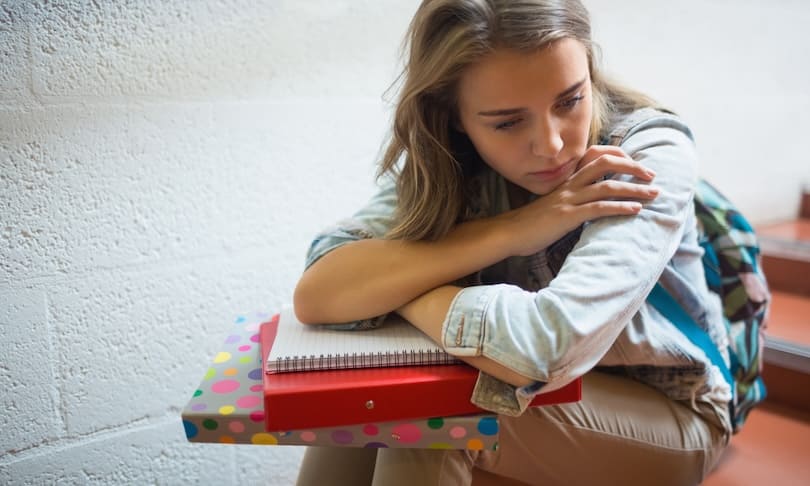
x=787 y=272
x=796 y=230
x=787 y=387
x=787 y=350
x=786 y=255
x=786 y=250
x=771 y=448
x=789 y=319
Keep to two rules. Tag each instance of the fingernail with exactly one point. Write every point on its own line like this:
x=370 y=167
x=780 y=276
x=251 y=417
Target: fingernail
x=650 y=173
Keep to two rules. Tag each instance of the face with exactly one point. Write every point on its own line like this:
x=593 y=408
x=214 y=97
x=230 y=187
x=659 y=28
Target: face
x=529 y=115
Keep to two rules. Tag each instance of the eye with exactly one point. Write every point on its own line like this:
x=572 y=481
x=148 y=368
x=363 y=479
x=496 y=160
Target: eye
x=570 y=103
x=507 y=124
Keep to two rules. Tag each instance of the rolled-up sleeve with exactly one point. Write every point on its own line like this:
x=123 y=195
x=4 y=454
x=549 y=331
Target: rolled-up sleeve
x=559 y=333
x=373 y=220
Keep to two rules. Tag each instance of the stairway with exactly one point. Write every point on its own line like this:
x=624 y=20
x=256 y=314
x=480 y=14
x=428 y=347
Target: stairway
x=774 y=445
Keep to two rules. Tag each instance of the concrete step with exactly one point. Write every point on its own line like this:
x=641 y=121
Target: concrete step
x=771 y=449
x=787 y=337
x=787 y=351
x=786 y=255
x=787 y=387
x=786 y=262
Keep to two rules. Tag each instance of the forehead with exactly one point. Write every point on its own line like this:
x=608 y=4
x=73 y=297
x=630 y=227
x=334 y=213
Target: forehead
x=507 y=77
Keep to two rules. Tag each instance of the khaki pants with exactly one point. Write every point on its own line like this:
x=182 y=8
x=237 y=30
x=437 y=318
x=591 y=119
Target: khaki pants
x=622 y=432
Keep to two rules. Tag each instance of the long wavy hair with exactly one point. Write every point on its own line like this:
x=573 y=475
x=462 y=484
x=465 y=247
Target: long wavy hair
x=429 y=158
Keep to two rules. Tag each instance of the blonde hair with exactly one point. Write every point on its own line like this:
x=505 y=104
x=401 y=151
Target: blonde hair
x=444 y=37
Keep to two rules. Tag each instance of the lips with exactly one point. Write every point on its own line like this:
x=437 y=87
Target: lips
x=549 y=175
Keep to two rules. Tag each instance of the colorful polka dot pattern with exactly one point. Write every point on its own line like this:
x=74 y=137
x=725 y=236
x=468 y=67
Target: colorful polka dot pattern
x=227 y=408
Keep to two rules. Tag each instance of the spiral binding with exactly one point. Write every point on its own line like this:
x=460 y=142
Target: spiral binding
x=419 y=357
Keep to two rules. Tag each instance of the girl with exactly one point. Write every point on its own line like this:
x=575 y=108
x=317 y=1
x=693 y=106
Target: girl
x=518 y=226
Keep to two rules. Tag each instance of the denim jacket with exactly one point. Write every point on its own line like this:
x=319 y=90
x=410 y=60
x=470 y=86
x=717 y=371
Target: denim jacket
x=581 y=303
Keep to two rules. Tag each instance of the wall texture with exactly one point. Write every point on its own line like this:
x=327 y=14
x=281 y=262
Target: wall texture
x=164 y=164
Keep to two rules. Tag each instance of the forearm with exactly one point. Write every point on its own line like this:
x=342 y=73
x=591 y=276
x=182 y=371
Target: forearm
x=428 y=312
x=367 y=278
x=371 y=277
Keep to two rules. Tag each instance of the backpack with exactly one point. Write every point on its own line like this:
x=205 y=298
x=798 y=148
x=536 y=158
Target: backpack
x=731 y=264
x=733 y=270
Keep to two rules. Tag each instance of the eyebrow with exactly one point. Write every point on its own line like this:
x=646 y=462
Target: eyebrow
x=512 y=111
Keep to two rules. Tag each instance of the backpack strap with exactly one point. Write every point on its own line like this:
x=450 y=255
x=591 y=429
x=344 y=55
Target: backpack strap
x=669 y=308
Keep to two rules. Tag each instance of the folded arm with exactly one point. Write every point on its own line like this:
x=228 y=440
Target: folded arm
x=366 y=278
x=360 y=274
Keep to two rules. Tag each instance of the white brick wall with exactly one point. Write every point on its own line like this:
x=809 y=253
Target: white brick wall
x=164 y=164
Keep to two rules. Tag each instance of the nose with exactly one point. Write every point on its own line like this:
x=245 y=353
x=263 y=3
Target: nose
x=546 y=140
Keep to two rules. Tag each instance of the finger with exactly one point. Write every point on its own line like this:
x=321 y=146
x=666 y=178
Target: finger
x=595 y=151
x=601 y=209
x=615 y=190
x=618 y=161
x=609 y=164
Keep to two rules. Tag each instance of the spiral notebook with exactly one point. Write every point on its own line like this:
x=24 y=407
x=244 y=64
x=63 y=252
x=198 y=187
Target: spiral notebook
x=302 y=347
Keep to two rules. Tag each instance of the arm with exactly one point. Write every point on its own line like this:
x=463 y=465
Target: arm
x=560 y=332
x=371 y=277
x=428 y=312
x=364 y=278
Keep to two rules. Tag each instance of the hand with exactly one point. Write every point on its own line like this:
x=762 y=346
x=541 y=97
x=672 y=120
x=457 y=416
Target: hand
x=585 y=196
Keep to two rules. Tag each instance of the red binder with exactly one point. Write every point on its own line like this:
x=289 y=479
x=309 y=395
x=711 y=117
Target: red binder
x=312 y=399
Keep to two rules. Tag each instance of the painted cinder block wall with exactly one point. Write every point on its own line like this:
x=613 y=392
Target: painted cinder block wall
x=164 y=164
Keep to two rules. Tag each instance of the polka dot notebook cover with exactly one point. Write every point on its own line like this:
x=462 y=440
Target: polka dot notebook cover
x=227 y=408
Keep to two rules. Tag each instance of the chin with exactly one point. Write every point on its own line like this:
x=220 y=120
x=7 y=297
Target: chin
x=544 y=189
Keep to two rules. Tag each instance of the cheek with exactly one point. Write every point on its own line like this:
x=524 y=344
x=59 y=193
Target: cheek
x=487 y=143
x=579 y=129
x=500 y=151
x=587 y=118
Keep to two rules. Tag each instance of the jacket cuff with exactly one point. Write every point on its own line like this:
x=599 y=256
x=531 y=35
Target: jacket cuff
x=464 y=326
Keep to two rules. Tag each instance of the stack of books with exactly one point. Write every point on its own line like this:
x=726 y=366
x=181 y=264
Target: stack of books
x=315 y=376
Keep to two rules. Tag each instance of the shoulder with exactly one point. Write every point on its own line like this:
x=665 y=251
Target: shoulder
x=660 y=140
x=624 y=125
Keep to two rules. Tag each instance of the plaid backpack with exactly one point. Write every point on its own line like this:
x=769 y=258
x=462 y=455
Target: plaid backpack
x=731 y=263
x=733 y=269
x=732 y=266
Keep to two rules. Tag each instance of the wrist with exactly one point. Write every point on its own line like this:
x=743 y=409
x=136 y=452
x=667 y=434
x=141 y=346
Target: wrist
x=502 y=231
x=428 y=311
